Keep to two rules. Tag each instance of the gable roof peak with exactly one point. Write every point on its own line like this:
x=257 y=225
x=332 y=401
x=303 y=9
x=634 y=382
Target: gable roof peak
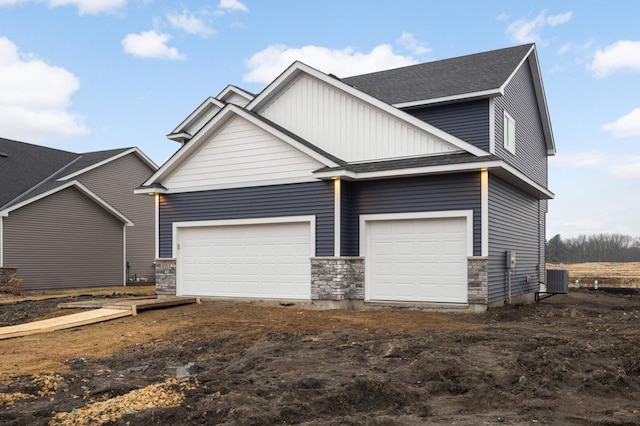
x=477 y=74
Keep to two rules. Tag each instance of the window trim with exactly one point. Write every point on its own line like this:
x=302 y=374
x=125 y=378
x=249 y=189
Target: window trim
x=509 y=143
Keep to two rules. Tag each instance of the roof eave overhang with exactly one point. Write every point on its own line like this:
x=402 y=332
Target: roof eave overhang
x=180 y=137
x=483 y=94
x=79 y=186
x=499 y=167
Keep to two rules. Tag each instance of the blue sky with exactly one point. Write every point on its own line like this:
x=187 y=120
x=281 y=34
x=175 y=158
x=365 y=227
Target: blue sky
x=86 y=75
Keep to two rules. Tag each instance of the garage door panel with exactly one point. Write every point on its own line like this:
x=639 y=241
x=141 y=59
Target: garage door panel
x=269 y=260
x=417 y=260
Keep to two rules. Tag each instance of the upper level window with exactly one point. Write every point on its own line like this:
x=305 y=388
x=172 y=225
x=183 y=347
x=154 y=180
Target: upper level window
x=509 y=133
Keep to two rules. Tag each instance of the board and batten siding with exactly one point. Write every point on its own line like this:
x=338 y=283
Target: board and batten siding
x=519 y=102
x=347 y=127
x=64 y=240
x=302 y=199
x=240 y=154
x=468 y=121
x=409 y=195
x=114 y=182
x=513 y=225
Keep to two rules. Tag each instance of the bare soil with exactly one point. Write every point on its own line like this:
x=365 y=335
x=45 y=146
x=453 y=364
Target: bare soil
x=608 y=274
x=569 y=359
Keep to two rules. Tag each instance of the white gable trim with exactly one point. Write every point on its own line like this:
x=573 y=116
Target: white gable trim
x=297 y=67
x=231 y=89
x=136 y=151
x=86 y=191
x=473 y=95
x=216 y=123
x=178 y=133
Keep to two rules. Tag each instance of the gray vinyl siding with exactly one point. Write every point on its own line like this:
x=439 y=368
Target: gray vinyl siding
x=513 y=225
x=468 y=121
x=412 y=194
x=64 y=240
x=520 y=102
x=314 y=198
x=114 y=182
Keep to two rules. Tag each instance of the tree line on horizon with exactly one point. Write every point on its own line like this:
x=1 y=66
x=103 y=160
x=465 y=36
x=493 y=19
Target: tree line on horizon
x=593 y=248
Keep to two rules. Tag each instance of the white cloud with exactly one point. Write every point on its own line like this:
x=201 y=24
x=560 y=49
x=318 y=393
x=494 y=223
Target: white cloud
x=621 y=55
x=150 y=44
x=528 y=31
x=577 y=159
x=90 y=7
x=267 y=64
x=189 y=23
x=232 y=5
x=409 y=42
x=625 y=126
x=562 y=18
x=34 y=97
x=627 y=168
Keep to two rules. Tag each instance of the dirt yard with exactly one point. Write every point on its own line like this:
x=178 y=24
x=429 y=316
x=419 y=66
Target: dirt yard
x=569 y=359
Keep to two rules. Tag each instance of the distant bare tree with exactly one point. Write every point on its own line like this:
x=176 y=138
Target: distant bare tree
x=594 y=248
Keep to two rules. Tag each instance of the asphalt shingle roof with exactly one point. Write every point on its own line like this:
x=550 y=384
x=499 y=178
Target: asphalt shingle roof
x=439 y=79
x=26 y=166
x=27 y=170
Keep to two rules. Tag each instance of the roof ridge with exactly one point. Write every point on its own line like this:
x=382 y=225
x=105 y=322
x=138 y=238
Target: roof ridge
x=469 y=55
x=50 y=178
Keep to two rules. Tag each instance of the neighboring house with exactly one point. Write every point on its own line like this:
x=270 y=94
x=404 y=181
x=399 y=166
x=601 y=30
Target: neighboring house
x=72 y=220
x=412 y=185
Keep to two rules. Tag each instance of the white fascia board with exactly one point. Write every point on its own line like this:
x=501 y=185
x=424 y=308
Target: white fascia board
x=86 y=191
x=136 y=151
x=150 y=191
x=234 y=185
x=472 y=95
x=298 y=67
x=212 y=126
x=180 y=137
x=442 y=169
x=231 y=89
x=196 y=114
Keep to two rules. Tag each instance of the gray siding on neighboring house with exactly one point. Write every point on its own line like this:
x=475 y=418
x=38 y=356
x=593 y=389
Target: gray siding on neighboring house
x=513 y=225
x=64 y=240
x=114 y=182
x=411 y=194
x=302 y=199
x=468 y=121
x=520 y=103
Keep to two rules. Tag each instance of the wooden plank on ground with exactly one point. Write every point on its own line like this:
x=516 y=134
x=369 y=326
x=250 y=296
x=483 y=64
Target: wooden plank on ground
x=99 y=303
x=163 y=302
x=66 y=321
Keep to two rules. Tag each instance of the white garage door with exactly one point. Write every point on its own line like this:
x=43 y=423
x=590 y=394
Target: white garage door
x=266 y=260
x=417 y=260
